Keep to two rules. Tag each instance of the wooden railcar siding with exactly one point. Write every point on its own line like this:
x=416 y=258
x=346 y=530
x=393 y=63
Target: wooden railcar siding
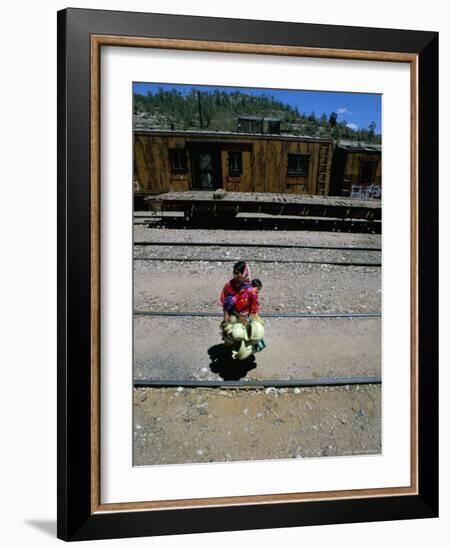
x=244 y=182
x=352 y=170
x=264 y=163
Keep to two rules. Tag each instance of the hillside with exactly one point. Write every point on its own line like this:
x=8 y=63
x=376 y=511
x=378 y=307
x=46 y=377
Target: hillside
x=219 y=111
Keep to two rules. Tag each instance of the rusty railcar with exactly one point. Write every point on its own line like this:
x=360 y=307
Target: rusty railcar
x=175 y=160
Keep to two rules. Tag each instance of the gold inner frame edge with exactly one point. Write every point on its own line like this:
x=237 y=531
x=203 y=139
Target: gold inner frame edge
x=263 y=49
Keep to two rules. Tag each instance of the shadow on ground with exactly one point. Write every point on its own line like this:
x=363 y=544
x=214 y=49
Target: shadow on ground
x=226 y=367
x=245 y=224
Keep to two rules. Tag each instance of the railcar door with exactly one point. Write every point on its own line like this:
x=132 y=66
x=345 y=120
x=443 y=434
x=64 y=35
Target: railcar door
x=205 y=167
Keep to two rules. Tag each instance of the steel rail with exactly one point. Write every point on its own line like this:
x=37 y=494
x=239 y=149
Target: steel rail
x=258 y=384
x=295 y=315
x=253 y=245
x=257 y=261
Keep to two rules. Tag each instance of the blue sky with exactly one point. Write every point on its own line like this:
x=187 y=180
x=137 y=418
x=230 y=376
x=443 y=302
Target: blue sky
x=358 y=110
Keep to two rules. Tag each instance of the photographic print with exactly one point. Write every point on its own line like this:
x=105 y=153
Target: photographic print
x=256 y=274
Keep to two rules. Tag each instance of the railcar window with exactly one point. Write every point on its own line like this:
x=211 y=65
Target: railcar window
x=235 y=163
x=298 y=164
x=178 y=161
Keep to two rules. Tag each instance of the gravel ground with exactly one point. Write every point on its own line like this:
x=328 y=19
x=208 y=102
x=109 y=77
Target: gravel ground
x=220 y=253
x=299 y=238
x=196 y=285
x=175 y=426
x=178 y=286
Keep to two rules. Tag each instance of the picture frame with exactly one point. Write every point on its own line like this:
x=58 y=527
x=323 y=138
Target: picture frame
x=81 y=35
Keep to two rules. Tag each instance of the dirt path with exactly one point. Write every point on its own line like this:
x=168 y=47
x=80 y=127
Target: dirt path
x=171 y=348
x=175 y=426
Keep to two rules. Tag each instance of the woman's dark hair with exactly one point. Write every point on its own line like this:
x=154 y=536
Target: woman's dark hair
x=257 y=283
x=239 y=266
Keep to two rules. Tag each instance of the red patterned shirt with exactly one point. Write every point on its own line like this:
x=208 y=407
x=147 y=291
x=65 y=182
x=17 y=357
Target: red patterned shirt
x=244 y=298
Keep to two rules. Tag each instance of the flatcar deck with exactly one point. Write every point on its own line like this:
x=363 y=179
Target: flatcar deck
x=217 y=203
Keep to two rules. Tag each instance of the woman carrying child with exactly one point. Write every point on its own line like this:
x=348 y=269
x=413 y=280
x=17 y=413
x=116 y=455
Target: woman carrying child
x=239 y=299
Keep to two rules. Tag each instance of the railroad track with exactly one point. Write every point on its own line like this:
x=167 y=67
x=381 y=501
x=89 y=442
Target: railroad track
x=176 y=244
x=258 y=384
x=257 y=261
x=256 y=245
x=283 y=315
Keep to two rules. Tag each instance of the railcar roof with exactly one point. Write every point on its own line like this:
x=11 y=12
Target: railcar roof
x=222 y=134
x=358 y=146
